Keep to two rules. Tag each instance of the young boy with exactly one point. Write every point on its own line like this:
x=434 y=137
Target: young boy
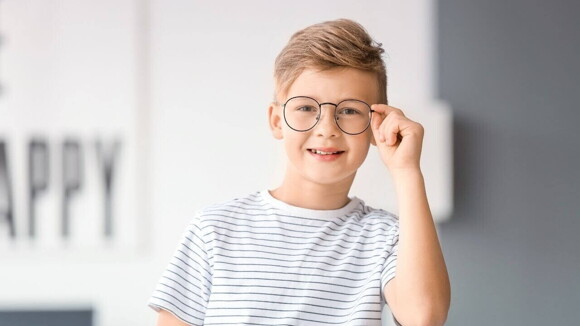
x=305 y=253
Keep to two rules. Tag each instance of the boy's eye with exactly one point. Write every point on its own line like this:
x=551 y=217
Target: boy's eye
x=349 y=111
x=306 y=108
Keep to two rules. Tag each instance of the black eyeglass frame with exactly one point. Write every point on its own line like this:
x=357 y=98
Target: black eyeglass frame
x=335 y=116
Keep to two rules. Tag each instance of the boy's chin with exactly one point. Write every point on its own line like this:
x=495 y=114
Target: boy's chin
x=328 y=180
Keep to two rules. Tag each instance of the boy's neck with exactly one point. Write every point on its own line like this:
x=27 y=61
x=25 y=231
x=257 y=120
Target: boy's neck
x=311 y=195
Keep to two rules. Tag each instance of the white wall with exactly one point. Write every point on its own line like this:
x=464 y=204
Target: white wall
x=193 y=80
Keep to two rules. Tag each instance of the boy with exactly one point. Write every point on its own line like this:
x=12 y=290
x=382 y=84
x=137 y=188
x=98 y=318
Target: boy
x=305 y=253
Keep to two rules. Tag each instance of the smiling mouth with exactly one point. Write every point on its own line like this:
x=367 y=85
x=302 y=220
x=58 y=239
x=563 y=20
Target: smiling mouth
x=315 y=151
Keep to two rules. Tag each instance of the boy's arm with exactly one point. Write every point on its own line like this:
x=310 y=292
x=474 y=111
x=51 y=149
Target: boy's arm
x=420 y=292
x=166 y=318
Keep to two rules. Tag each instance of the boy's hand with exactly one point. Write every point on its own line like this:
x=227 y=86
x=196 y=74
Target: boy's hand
x=398 y=139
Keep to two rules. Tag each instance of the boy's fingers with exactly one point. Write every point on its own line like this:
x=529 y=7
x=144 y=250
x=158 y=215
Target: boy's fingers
x=377 y=119
x=393 y=134
x=382 y=108
x=386 y=109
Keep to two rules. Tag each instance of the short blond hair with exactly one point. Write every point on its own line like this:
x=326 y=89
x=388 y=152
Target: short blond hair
x=330 y=44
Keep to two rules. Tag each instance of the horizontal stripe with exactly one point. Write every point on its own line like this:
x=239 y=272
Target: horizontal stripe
x=293 y=303
x=304 y=319
x=350 y=221
x=294 y=297
x=301 y=267
x=296 y=249
x=277 y=227
x=235 y=312
x=294 y=243
x=270 y=286
x=296 y=261
x=285 y=280
x=286 y=254
x=234 y=272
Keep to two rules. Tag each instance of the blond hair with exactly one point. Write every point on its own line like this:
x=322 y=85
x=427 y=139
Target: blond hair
x=327 y=45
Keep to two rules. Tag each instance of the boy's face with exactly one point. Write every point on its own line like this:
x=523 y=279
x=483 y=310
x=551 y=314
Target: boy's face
x=332 y=86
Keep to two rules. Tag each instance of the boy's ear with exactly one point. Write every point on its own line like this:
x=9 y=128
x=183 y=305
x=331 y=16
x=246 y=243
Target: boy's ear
x=275 y=120
x=372 y=135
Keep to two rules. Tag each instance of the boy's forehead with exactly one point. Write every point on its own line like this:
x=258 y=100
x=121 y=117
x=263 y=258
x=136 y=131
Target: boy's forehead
x=336 y=84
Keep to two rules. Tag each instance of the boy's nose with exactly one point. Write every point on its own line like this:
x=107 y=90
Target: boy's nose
x=326 y=125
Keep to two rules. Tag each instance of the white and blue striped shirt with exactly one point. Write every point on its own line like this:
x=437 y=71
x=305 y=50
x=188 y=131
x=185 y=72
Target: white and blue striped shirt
x=256 y=260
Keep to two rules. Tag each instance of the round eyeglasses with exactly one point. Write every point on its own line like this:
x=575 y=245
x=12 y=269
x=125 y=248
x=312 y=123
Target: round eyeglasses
x=302 y=113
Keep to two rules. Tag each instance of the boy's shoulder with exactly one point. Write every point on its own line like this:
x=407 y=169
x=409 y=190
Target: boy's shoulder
x=372 y=213
x=237 y=204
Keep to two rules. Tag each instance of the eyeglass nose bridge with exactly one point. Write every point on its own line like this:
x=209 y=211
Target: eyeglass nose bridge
x=321 y=104
x=320 y=112
x=335 y=117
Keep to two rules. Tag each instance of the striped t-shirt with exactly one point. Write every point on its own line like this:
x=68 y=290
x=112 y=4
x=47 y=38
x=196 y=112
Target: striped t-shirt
x=256 y=260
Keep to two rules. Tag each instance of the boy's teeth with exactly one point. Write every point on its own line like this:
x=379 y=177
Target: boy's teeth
x=323 y=153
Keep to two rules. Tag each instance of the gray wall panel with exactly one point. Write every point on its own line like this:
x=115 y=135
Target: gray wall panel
x=510 y=71
x=46 y=317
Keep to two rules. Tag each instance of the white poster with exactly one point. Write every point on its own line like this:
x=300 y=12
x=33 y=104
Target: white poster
x=72 y=128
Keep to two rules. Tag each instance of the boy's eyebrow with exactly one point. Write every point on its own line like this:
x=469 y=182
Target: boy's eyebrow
x=341 y=99
x=318 y=97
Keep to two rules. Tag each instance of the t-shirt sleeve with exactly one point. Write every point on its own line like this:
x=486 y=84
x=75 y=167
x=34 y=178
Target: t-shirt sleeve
x=390 y=264
x=185 y=285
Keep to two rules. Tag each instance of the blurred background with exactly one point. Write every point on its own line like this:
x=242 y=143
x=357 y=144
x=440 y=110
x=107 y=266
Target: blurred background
x=119 y=119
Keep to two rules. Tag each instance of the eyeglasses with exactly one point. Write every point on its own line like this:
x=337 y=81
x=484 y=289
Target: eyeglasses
x=302 y=113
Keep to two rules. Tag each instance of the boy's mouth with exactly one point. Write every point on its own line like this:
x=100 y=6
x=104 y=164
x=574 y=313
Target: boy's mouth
x=325 y=154
x=325 y=151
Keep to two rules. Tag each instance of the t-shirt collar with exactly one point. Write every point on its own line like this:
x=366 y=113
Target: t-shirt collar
x=307 y=212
